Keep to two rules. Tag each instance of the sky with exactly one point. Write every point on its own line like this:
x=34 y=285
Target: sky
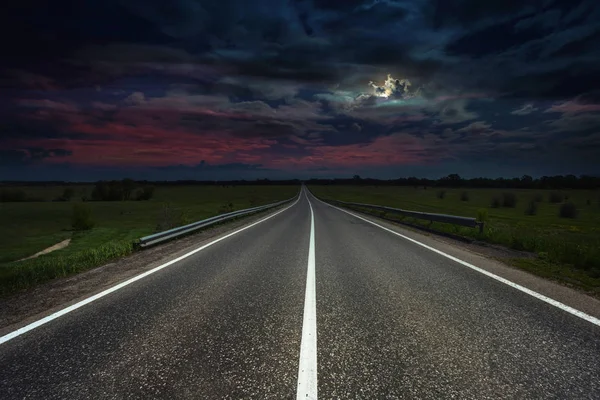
x=237 y=89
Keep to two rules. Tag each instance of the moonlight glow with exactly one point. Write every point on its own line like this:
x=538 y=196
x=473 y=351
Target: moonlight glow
x=391 y=86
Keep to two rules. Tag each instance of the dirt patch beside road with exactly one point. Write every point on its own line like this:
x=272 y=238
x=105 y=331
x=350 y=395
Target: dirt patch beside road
x=57 y=246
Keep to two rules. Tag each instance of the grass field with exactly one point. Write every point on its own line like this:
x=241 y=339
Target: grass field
x=29 y=227
x=567 y=249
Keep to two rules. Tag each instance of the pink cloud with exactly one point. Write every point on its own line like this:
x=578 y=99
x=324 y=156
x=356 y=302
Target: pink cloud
x=573 y=107
x=396 y=149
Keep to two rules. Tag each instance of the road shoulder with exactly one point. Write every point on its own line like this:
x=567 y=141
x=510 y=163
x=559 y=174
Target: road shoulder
x=485 y=257
x=24 y=307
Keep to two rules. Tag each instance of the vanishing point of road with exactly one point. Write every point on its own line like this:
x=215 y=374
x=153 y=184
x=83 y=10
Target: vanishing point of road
x=308 y=301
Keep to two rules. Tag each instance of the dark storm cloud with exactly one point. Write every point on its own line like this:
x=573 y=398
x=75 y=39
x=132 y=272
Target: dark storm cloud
x=544 y=49
x=299 y=84
x=30 y=155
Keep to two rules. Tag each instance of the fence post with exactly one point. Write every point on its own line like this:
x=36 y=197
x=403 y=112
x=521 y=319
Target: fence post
x=481 y=227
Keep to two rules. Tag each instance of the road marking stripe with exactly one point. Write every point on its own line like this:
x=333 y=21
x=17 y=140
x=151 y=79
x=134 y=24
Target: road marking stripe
x=307 y=370
x=121 y=285
x=523 y=289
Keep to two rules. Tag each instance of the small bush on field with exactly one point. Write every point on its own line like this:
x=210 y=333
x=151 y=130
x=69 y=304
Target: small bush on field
x=146 y=193
x=464 y=196
x=538 y=198
x=589 y=202
x=509 y=200
x=531 y=208
x=441 y=194
x=482 y=215
x=81 y=219
x=496 y=202
x=555 y=197
x=68 y=193
x=568 y=210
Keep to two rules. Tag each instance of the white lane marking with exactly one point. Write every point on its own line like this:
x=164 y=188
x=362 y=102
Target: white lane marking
x=121 y=285
x=307 y=370
x=523 y=289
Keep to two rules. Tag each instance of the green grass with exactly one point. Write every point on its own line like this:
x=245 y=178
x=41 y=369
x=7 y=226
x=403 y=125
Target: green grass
x=30 y=227
x=567 y=249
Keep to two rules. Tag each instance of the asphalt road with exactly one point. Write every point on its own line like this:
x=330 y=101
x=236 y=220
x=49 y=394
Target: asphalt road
x=393 y=320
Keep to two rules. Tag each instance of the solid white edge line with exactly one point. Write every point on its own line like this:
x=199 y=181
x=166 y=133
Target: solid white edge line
x=307 y=368
x=523 y=289
x=121 y=285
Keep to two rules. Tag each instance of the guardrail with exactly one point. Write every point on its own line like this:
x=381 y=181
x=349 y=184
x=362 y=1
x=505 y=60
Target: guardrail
x=445 y=218
x=185 y=229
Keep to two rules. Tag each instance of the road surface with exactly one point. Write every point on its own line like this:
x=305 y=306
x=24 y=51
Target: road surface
x=237 y=319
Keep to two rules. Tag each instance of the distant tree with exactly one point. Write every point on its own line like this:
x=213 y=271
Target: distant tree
x=68 y=194
x=356 y=177
x=526 y=181
x=100 y=191
x=146 y=193
x=452 y=180
x=115 y=191
x=128 y=188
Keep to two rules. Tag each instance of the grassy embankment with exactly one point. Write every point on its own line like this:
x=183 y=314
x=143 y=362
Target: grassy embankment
x=29 y=227
x=566 y=249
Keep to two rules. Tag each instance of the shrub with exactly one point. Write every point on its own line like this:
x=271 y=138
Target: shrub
x=538 y=198
x=482 y=215
x=146 y=193
x=116 y=191
x=81 y=219
x=588 y=202
x=68 y=193
x=555 y=197
x=567 y=210
x=441 y=194
x=531 y=208
x=464 y=196
x=509 y=200
x=496 y=202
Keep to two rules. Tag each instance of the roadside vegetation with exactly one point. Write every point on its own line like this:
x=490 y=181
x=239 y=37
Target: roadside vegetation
x=102 y=230
x=560 y=228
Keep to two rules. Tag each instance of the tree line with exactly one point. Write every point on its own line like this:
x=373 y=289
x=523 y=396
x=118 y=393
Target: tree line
x=455 y=180
x=123 y=190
